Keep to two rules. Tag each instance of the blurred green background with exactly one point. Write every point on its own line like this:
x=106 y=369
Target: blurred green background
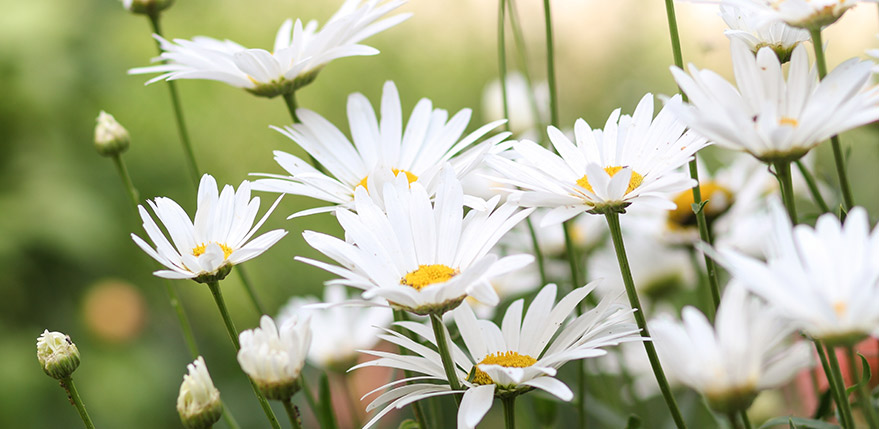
x=66 y=260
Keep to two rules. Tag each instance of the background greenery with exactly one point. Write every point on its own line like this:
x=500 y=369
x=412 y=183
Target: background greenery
x=66 y=220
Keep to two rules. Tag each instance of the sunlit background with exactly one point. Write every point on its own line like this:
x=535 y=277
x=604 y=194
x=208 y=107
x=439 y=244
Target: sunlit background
x=66 y=260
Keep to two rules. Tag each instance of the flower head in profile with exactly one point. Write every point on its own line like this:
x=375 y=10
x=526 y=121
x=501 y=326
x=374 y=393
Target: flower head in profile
x=824 y=279
x=508 y=360
x=808 y=14
x=770 y=118
x=220 y=236
x=382 y=150
x=198 y=403
x=57 y=354
x=421 y=257
x=744 y=24
x=633 y=159
x=298 y=55
x=748 y=350
x=273 y=357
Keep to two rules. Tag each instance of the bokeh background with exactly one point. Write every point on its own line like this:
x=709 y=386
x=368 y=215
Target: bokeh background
x=66 y=260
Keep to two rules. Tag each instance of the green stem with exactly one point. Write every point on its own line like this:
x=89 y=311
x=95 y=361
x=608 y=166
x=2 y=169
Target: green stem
x=214 y=286
x=400 y=316
x=523 y=62
x=831 y=382
x=702 y=280
x=293 y=413
x=251 y=292
x=290 y=99
x=550 y=66
x=502 y=60
x=509 y=411
x=734 y=421
x=126 y=180
x=538 y=254
x=838 y=158
x=76 y=401
x=442 y=345
x=674 y=35
x=227 y=416
x=863 y=391
x=185 y=326
x=844 y=405
x=309 y=399
x=178 y=111
x=347 y=390
x=613 y=223
x=782 y=171
x=573 y=255
x=745 y=420
x=813 y=187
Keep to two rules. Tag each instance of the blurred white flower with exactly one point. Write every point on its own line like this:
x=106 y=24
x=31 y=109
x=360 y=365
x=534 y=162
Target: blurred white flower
x=298 y=55
x=198 y=403
x=809 y=14
x=744 y=24
x=521 y=104
x=58 y=356
x=206 y=249
x=273 y=358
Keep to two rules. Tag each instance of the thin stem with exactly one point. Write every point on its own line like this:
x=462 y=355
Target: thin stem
x=538 y=254
x=509 y=412
x=863 y=391
x=185 y=326
x=293 y=413
x=813 y=187
x=838 y=158
x=442 y=345
x=178 y=111
x=523 y=62
x=845 y=406
x=734 y=421
x=251 y=292
x=613 y=223
x=76 y=401
x=674 y=34
x=347 y=390
x=550 y=66
x=782 y=171
x=214 y=286
x=745 y=420
x=309 y=398
x=573 y=255
x=400 y=316
x=502 y=60
x=834 y=389
x=290 y=99
x=126 y=180
x=227 y=416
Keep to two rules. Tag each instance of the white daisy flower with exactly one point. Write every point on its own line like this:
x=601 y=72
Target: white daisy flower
x=745 y=25
x=773 y=119
x=634 y=159
x=824 y=279
x=298 y=55
x=874 y=53
x=746 y=351
x=198 y=402
x=337 y=332
x=809 y=14
x=520 y=355
x=273 y=357
x=206 y=249
x=420 y=257
x=381 y=151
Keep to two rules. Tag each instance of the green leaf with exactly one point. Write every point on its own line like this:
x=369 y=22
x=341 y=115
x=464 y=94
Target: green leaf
x=865 y=376
x=634 y=422
x=798 y=422
x=824 y=407
x=697 y=208
x=325 y=403
x=408 y=424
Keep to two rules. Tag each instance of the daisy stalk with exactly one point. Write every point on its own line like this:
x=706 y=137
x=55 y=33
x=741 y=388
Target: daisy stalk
x=845 y=409
x=293 y=413
x=73 y=394
x=863 y=391
x=813 y=187
x=782 y=171
x=400 y=316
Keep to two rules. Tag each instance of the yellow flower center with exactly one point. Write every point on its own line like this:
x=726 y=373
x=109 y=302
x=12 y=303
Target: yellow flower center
x=409 y=176
x=508 y=360
x=683 y=216
x=634 y=182
x=201 y=248
x=788 y=121
x=427 y=275
x=839 y=308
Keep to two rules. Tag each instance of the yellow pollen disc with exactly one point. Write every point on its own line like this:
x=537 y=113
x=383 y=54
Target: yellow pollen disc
x=683 y=215
x=788 y=121
x=634 y=182
x=427 y=275
x=508 y=359
x=839 y=308
x=201 y=248
x=409 y=176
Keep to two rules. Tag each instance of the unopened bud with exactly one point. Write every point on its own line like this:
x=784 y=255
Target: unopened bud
x=198 y=403
x=58 y=356
x=111 y=139
x=147 y=7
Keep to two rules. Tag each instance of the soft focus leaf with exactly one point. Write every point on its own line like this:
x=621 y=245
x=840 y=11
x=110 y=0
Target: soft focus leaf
x=798 y=422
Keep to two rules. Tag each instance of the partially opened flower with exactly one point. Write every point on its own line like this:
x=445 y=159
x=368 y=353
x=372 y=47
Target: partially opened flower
x=220 y=236
x=824 y=279
x=198 y=402
x=298 y=55
x=382 y=150
x=749 y=349
x=773 y=119
x=273 y=356
x=745 y=25
x=420 y=256
x=57 y=354
x=633 y=159
x=520 y=355
x=808 y=14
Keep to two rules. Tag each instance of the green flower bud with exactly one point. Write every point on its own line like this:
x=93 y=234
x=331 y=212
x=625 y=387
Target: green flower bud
x=58 y=356
x=147 y=7
x=111 y=139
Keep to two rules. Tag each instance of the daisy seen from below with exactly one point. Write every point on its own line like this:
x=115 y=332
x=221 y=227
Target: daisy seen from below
x=299 y=53
x=421 y=257
x=206 y=248
x=749 y=349
x=633 y=159
x=744 y=24
x=774 y=119
x=506 y=361
x=808 y=14
x=273 y=356
x=382 y=150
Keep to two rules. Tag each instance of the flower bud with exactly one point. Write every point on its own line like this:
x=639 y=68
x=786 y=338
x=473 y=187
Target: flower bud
x=111 y=139
x=147 y=7
x=198 y=403
x=273 y=358
x=58 y=356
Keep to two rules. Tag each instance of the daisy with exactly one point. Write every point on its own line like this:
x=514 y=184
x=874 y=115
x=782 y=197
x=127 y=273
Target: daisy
x=746 y=351
x=298 y=55
x=273 y=356
x=421 y=257
x=206 y=249
x=808 y=14
x=770 y=118
x=633 y=159
x=506 y=361
x=381 y=150
x=744 y=25
x=824 y=279
x=198 y=402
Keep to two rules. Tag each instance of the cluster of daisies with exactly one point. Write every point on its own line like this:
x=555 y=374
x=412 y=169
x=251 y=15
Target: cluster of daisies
x=442 y=226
